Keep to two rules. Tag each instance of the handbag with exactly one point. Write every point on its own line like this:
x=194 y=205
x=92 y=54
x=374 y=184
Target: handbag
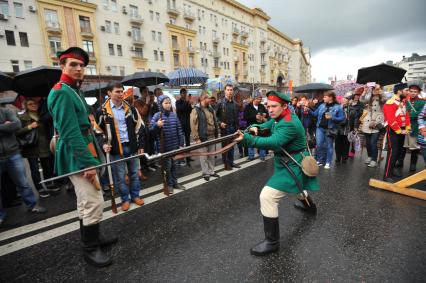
x=29 y=139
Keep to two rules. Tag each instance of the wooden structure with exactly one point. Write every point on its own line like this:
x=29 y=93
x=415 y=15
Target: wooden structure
x=402 y=187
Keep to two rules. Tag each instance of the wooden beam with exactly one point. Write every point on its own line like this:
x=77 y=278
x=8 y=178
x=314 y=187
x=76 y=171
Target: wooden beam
x=378 y=184
x=411 y=180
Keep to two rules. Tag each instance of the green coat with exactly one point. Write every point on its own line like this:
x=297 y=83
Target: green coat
x=414 y=110
x=71 y=120
x=291 y=136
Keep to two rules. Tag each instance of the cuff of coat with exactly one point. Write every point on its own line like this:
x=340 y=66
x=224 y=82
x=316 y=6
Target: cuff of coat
x=398 y=131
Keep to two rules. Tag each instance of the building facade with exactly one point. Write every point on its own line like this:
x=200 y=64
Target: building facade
x=223 y=38
x=415 y=66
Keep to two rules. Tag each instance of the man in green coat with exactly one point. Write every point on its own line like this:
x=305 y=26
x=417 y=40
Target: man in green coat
x=76 y=150
x=286 y=132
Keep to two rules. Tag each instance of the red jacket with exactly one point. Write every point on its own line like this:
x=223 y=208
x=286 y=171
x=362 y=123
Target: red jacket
x=396 y=114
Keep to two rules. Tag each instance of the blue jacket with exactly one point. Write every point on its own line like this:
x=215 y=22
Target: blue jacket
x=173 y=136
x=337 y=115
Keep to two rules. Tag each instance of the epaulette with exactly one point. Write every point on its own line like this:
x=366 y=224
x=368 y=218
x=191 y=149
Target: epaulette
x=57 y=86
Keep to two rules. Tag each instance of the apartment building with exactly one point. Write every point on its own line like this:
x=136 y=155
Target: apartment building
x=223 y=38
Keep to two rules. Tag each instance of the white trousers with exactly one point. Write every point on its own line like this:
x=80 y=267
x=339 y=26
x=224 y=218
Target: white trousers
x=90 y=201
x=269 y=201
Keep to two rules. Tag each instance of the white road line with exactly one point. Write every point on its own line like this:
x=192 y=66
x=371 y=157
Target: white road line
x=59 y=231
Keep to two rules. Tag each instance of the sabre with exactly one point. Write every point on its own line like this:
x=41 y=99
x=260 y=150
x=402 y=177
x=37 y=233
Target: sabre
x=171 y=153
x=108 y=160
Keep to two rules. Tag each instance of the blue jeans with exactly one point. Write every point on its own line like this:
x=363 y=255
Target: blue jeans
x=262 y=153
x=119 y=173
x=371 y=145
x=325 y=145
x=14 y=165
x=170 y=167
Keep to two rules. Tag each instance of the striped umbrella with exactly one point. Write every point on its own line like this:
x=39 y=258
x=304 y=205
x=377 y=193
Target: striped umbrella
x=187 y=76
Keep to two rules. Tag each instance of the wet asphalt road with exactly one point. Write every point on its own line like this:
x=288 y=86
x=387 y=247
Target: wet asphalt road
x=204 y=235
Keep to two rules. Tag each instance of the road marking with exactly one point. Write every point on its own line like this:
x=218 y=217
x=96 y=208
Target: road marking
x=65 y=229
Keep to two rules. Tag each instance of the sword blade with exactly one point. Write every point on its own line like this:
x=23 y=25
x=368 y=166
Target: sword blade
x=148 y=157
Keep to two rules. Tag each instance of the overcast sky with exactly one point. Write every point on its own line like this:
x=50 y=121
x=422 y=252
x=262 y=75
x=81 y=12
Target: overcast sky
x=345 y=35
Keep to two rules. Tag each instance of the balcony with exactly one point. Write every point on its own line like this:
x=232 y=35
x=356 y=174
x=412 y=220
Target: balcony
x=216 y=40
x=235 y=31
x=53 y=27
x=176 y=47
x=263 y=63
x=136 y=20
x=138 y=40
x=244 y=34
x=263 y=49
x=173 y=11
x=189 y=16
x=190 y=49
x=86 y=32
x=216 y=54
x=236 y=59
x=263 y=40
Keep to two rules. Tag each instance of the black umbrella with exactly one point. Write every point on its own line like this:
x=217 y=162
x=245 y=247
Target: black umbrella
x=37 y=81
x=5 y=82
x=94 y=89
x=313 y=87
x=382 y=74
x=140 y=79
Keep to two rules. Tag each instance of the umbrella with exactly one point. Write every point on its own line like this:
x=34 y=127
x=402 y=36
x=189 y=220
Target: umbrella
x=187 y=76
x=5 y=82
x=36 y=81
x=313 y=87
x=343 y=87
x=8 y=97
x=94 y=89
x=141 y=79
x=382 y=74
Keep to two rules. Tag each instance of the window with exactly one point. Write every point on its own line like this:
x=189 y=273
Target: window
x=139 y=52
x=24 y=39
x=200 y=29
x=111 y=49
x=55 y=45
x=155 y=55
x=51 y=18
x=108 y=26
x=162 y=56
x=114 y=5
x=134 y=11
x=85 y=24
x=153 y=35
x=19 y=10
x=136 y=33
x=204 y=30
x=174 y=41
x=176 y=59
x=191 y=60
x=10 y=37
x=4 y=7
x=114 y=70
x=119 y=50
x=157 y=16
x=15 y=65
x=105 y=3
x=116 y=28
x=88 y=47
x=189 y=42
x=90 y=70
x=122 y=70
x=151 y=15
x=159 y=37
x=28 y=64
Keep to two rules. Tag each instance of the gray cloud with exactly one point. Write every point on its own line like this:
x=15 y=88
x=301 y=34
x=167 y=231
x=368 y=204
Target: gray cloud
x=323 y=24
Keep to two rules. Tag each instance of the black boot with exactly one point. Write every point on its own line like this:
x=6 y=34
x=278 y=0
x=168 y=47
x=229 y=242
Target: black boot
x=272 y=238
x=306 y=205
x=395 y=173
x=93 y=254
x=413 y=161
x=103 y=241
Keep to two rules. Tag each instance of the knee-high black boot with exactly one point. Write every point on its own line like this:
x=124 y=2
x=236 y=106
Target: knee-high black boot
x=103 y=241
x=272 y=238
x=93 y=254
x=306 y=205
x=413 y=161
